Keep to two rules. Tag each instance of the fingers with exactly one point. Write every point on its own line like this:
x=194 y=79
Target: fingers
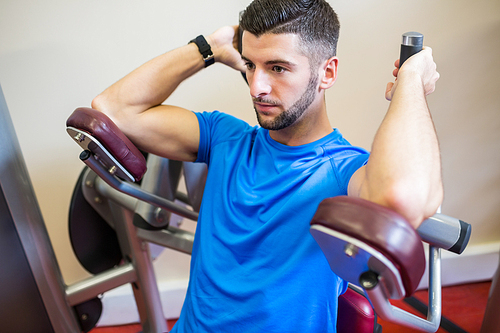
x=430 y=75
x=388 y=91
x=430 y=86
x=236 y=36
x=395 y=72
x=224 y=42
x=421 y=64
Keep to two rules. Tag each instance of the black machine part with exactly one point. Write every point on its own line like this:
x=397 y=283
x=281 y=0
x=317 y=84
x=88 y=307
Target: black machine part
x=94 y=241
x=88 y=313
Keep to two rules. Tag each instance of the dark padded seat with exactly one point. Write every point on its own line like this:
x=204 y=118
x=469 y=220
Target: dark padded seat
x=104 y=130
x=355 y=313
x=382 y=229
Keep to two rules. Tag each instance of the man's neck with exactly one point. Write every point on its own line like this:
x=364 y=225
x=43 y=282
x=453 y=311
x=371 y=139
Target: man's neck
x=311 y=127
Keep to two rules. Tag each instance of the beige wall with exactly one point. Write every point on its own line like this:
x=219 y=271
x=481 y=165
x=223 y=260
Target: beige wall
x=57 y=55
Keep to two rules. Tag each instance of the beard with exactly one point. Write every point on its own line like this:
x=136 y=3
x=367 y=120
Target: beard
x=290 y=116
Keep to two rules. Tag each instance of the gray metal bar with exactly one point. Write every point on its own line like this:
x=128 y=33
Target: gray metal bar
x=162 y=179
x=446 y=232
x=24 y=209
x=135 y=191
x=389 y=312
x=434 y=313
x=145 y=287
x=110 y=193
x=95 y=285
x=440 y=230
x=173 y=238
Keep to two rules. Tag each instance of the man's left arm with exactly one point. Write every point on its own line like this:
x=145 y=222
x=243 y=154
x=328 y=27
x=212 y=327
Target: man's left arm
x=404 y=168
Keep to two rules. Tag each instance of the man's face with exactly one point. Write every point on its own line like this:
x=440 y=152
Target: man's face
x=282 y=85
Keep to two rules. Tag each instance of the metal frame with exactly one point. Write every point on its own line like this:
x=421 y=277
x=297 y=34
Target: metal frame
x=23 y=206
x=389 y=312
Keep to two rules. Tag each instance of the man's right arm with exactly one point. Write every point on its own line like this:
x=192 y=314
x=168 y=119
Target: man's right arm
x=134 y=102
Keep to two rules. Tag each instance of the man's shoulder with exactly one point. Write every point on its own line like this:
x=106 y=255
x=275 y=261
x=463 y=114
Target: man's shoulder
x=218 y=127
x=219 y=120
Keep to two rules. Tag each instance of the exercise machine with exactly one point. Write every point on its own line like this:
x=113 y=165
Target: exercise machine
x=400 y=274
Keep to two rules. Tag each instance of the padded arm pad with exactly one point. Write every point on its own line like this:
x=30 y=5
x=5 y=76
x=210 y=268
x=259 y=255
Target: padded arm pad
x=104 y=130
x=379 y=227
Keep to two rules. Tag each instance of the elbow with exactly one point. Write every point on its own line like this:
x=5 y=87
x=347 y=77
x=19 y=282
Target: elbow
x=414 y=206
x=99 y=103
x=102 y=103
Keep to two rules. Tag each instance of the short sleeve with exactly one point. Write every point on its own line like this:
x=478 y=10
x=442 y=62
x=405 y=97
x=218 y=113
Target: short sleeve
x=348 y=163
x=217 y=127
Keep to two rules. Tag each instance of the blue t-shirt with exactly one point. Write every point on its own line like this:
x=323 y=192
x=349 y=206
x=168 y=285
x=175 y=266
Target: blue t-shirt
x=255 y=267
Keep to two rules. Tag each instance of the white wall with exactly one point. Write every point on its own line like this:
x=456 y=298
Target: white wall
x=57 y=55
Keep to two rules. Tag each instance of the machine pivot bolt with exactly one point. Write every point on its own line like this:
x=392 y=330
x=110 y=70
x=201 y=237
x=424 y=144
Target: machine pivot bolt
x=79 y=137
x=351 y=250
x=112 y=170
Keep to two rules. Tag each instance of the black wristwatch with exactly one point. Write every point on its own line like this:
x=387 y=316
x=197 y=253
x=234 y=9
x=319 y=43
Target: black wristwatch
x=204 y=49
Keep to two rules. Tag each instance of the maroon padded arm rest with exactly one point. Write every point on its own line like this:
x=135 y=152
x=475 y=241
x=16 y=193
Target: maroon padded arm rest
x=381 y=228
x=97 y=125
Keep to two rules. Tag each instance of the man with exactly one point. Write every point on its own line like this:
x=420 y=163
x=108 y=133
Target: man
x=254 y=266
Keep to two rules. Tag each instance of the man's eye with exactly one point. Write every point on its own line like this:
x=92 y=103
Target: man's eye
x=249 y=66
x=278 y=69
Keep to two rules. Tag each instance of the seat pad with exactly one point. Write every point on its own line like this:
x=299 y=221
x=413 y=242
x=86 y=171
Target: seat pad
x=355 y=313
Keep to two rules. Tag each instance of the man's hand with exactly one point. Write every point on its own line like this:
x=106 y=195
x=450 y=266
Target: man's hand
x=422 y=64
x=224 y=44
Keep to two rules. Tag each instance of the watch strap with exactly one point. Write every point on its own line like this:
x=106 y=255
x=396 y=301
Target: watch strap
x=205 y=50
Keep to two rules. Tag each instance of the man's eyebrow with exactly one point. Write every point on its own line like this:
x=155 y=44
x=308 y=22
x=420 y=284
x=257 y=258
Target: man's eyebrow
x=281 y=62
x=273 y=62
x=245 y=58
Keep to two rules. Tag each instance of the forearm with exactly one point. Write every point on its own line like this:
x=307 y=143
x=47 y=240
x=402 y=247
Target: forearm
x=404 y=170
x=151 y=84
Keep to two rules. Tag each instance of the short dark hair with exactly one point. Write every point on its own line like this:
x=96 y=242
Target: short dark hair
x=314 y=21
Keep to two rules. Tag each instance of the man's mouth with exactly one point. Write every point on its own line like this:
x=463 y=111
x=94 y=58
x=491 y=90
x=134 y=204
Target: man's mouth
x=265 y=106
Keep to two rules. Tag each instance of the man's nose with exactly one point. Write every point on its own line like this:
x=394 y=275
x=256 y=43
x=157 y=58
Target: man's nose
x=259 y=84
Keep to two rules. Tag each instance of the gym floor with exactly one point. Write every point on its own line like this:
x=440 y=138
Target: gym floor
x=463 y=311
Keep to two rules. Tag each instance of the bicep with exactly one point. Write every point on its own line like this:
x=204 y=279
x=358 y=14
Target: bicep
x=165 y=130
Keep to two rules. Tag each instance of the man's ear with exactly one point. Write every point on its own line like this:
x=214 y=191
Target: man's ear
x=329 y=73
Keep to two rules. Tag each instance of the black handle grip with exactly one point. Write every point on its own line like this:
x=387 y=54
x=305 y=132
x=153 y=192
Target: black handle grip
x=412 y=43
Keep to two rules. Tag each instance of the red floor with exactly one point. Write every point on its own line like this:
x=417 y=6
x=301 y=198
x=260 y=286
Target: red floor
x=464 y=305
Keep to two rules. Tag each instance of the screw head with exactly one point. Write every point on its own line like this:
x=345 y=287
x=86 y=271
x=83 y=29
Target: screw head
x=351 y=250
